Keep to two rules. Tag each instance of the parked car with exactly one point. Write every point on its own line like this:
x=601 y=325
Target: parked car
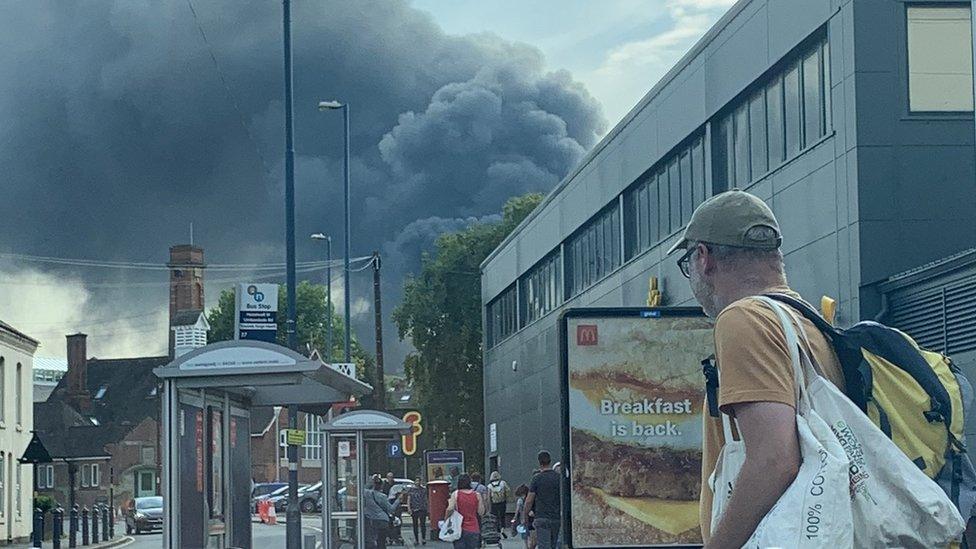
x=263 y=490
x=144 y=515
x=280 y=498
x=399 y=485
x=308 y=499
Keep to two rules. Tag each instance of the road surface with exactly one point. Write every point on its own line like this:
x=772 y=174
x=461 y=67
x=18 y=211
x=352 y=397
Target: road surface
x=262 y=535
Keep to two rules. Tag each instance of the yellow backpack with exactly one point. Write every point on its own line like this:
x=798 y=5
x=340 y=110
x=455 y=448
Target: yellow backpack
x=915 y=396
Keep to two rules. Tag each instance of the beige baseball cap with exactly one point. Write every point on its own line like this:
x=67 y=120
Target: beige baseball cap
x=726 y=218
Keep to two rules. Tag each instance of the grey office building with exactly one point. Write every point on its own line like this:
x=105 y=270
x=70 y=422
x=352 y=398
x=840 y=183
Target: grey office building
x=853 y=119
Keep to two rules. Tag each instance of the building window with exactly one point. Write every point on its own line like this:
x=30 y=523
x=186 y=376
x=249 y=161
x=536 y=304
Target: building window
x=757 y=133
x=791 y=111
x=540 y=288
x=45 y=477
x=774 y=123
x=594 y=251
x=663 y=201
x=723 y=176
x=19 y=394
x=3 y=487
x=91 y=475
x=741 y=151
x=813 y=92
x=3 y=388
x=19 y=492
x=940 y=58
x=502 y=316
x=101 y=392
x=312 y=449
x=788 y=113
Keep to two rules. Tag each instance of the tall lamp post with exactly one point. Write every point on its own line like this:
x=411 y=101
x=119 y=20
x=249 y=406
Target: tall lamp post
x=328 y=290
x=344 y=107
x=293 y=526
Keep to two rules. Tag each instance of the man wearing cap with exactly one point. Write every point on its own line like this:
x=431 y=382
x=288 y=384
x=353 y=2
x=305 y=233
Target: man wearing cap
x=731 y=253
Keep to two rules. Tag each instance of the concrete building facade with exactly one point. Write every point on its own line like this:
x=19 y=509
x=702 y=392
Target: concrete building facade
x=852 y=119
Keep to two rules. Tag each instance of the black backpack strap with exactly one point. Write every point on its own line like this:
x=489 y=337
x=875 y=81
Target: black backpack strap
x=857 y=374
x=711 y=385
x=807 y=311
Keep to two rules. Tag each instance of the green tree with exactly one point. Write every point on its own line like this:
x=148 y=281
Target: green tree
x=441 y=314
x=310 y=300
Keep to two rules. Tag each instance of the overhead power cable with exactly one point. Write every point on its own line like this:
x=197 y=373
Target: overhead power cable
x=135 y=265
x=263 y=276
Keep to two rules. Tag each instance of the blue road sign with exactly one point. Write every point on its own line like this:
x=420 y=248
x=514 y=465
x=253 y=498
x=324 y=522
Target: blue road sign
x=394 y=449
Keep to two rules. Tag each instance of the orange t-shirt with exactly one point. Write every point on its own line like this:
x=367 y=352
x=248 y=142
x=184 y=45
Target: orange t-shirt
x=755 y=366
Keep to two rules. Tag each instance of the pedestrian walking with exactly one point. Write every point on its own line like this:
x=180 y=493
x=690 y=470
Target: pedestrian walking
x=471 y=506
x=477 y=486
x=520 y=494
x=732 y=253
x=418 y=507
x=498 y=495
x=452 y=477
x=377 y=511
x=388 y=483
x=544 y=500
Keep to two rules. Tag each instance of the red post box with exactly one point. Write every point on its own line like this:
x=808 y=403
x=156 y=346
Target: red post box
x=438 y=492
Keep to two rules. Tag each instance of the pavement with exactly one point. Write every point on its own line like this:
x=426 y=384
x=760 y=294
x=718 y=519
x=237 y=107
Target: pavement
x=265 y=536
x=119 y=541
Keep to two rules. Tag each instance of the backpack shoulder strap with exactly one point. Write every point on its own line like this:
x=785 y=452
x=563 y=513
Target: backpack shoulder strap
x=806 y=310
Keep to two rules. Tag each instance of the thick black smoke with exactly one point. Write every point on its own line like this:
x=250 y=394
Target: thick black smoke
x=118 y=131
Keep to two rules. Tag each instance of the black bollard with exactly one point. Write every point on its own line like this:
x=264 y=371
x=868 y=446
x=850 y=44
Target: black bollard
x=104 y=523
x=73 y=527
x=84 y=526
x=57 y=527
x=94 y=528
x=38 y=533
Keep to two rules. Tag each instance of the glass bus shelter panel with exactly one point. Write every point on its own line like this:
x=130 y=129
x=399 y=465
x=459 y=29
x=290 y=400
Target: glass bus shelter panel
x=345 y=487
x=214 y=474
x=191 y=436
x=240 y=464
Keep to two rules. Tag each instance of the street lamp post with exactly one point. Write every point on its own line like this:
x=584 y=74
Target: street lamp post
x=328 y=292
x=344 y=107
x=293 y=523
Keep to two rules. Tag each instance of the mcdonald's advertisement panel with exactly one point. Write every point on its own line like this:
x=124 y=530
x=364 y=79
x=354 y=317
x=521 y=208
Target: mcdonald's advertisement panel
x=633 y=396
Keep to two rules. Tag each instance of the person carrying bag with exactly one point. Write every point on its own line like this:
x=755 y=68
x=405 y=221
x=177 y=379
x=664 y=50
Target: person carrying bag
x=892 y=502
x=815 y=511
x=467 y=504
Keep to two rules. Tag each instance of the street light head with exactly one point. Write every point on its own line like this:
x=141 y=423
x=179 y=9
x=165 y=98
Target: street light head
x=319 y=236
x=330 y=105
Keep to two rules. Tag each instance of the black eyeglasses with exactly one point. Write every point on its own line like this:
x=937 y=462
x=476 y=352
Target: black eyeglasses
x=684 y=262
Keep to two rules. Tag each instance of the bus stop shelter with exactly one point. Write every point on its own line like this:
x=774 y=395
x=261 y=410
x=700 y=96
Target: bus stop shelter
x=345 y=476
x=208 y=395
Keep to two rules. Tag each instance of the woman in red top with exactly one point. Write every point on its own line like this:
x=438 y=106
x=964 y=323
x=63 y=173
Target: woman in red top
x=470 y=505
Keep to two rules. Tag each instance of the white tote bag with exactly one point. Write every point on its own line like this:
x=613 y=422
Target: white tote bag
x=451 y=527
x=894 y=503
x=815 y=510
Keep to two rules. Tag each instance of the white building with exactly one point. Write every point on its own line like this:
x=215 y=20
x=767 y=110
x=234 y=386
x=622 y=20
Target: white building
x=16 y=423
x=47 y=372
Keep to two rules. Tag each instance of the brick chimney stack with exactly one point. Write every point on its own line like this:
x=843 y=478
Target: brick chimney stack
x=77 y=387
x=185 y=283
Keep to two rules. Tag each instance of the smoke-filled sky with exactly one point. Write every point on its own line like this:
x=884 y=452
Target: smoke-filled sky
x=126 y=120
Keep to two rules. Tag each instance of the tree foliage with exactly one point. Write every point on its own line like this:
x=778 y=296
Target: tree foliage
x=441 y=314
x=311 y=308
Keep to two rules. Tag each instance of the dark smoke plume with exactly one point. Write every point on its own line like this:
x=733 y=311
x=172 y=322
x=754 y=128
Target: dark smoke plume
x=119 y=131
